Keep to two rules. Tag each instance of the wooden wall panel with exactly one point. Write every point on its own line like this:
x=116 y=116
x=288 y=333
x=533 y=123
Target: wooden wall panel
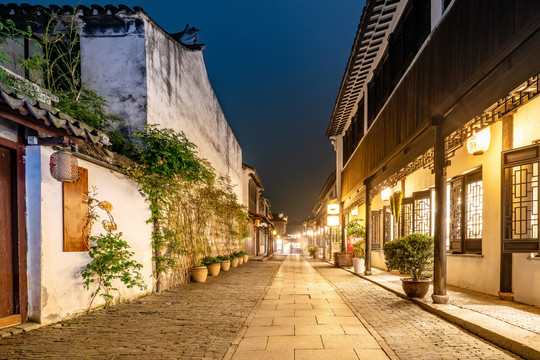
x=75 y=197
x=7 y=305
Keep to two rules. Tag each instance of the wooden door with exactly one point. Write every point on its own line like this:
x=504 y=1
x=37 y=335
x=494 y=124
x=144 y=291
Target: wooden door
x=7 y=296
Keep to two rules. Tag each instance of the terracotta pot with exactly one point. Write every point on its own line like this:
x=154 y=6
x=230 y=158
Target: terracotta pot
x=359 y=266
x=246 y=257
x=240 y=260
x=213 y=269
x=199 y=273
x=415 y=289
x=225 y=265
x=234 y=262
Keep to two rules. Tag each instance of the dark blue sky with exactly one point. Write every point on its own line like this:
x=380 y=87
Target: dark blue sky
x=276 y=67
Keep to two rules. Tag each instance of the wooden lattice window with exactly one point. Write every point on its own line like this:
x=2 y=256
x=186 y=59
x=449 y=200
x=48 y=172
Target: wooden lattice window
x=422 y=212
x=375 y=230
x=520 y=196
x=465 y=215
x=406 y=217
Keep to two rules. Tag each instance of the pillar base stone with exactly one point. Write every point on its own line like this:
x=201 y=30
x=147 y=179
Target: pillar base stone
x=509 y=296
x=367 y=273
x=440 y=299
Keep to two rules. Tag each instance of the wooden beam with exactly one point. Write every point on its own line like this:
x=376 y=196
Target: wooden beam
x=368 y=229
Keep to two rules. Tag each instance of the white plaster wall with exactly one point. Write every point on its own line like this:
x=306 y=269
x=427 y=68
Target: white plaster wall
x=181 y=97
x=115 y=66
x=62 y=292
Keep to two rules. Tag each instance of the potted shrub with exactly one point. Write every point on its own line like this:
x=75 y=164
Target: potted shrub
x=313 y=251
x=199 y=273
x=240 y=256
x=245 y=256
x=225 y=262
x=213 y=264
x=411 y=255
x=359 y=255
x=234 y=260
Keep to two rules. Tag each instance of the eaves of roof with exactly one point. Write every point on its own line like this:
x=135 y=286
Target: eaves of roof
x=373 y=28
x=48 y=116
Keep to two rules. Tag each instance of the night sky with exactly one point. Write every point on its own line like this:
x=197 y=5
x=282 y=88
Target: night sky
x=276 y=67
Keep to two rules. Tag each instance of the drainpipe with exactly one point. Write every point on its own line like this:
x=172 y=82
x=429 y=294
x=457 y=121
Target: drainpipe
x=439 y=271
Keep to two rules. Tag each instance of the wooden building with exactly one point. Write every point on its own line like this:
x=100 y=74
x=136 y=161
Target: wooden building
x=429 y=83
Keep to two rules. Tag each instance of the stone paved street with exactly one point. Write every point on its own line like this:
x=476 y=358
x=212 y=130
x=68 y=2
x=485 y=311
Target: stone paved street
x=411 y=332
x=193 y=321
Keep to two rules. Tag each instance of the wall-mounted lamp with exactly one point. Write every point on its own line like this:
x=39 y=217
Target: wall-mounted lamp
x=257 y=222
x=479 y=142
x=354 y=212
x=385 y=194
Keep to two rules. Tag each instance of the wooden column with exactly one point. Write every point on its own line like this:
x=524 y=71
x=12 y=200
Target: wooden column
x=343 y=232
x=505 y=287
x=439 y=295
x=368 y=229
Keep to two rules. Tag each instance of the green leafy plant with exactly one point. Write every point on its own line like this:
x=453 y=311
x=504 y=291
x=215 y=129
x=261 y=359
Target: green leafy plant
x=208 y=260
x=110 y=258
x=356 y=229
x=411 y=255
x=359 y=249
x=313 y=249
x=223 y=257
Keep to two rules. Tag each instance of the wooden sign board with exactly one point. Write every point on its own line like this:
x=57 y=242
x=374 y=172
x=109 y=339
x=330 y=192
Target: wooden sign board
x=75 y=198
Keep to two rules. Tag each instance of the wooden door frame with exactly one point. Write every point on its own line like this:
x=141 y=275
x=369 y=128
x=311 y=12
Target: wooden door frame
x=19 y=230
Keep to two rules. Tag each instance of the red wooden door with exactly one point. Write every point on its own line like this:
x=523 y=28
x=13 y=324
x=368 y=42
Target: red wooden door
x=6 y=235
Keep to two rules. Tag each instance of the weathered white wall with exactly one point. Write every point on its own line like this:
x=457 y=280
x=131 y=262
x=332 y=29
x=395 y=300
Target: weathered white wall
x=57 y=273
x=114 y=64
x=181 y=97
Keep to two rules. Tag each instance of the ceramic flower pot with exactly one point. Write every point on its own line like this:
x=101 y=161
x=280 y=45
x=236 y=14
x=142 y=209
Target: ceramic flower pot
x=213 y=269
x=240 y=260
x=199 y=273
x=246 y=257
x=234 y=262
x=225 y=265
x=359 y=266
x=415 y=289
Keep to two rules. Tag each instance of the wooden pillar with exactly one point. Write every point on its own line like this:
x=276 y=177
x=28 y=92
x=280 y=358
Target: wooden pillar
x=439 y=272
x=343 y=233
x=368 y=229
x=505 y=287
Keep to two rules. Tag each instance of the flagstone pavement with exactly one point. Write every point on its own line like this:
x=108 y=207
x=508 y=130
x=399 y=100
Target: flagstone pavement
x=302 y=316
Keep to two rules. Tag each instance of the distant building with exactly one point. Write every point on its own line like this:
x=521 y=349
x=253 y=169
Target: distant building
x=326 y=237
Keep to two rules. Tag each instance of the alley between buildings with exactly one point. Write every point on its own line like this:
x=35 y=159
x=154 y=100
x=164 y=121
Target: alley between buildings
x=291 y=309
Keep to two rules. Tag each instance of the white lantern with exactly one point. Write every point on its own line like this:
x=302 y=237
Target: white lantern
x=386 y=193
x=479 y=142
x=333 y=209
x=354 y=212
x=64 y=167
x=333 y=220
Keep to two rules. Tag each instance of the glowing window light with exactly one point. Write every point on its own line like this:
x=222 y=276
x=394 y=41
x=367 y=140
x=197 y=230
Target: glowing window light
x=479 y=142
x=386 y=193
x=333 y=209
x=333 y=220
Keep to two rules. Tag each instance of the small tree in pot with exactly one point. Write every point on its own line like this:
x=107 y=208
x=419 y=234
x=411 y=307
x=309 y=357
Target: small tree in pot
x=313 y=251
x=355 y=229
x=411 y=255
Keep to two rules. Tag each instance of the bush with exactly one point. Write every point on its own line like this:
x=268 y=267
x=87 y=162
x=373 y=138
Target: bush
x=313 y=249
x=411 y=255
x=356 y=229
x=223 y=257
x=208 y=260
x=359 y=249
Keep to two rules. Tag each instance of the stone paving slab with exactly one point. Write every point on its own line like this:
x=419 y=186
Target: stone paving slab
x=406 y=328
x=511 y=325
x=192 y=321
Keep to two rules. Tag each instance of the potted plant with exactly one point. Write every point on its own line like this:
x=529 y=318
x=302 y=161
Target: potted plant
x=411 y=255
x=213 y=264
x=313 y=251
x=225 y=262
x=240 y=256
x=359 y=255
x=199 y=273
x=245 y=256
x=234 y=260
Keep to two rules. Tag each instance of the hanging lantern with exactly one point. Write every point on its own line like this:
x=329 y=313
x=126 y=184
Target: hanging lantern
x=479 y=142
x=354 y=212
x=257 y=222
x=385 y=194
x=64 y=167
x=333 y=209
x=333 y=220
